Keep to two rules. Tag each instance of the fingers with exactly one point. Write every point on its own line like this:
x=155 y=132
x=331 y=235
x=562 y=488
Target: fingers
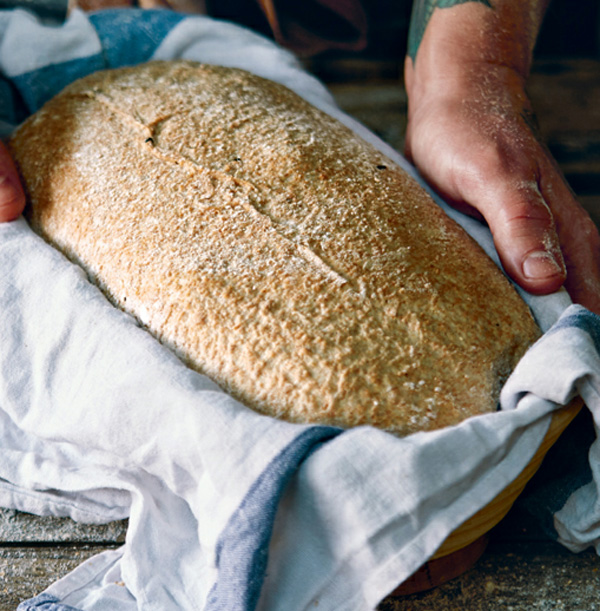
x=473 y=140
x=96 y=5
x=579 y=238
x=583 y=263
x=150 y=4
x=12 y=196
x=543 y=236
x=525 y=234
x=490 y=177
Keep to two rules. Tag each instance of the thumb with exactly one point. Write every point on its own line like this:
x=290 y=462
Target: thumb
x=12 y=196
x=525 y=236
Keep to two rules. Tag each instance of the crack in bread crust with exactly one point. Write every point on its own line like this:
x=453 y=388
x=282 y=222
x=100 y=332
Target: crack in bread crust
x=271 y=248
x=150 y=138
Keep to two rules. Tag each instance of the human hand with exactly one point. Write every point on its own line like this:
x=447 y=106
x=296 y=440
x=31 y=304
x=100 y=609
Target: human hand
x=472 y=136
x=182 y=6
x=12 y=196
x=96 y=5
x=474 y=142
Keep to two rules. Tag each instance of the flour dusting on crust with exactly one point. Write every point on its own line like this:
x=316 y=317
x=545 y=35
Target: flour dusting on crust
x=271 y=248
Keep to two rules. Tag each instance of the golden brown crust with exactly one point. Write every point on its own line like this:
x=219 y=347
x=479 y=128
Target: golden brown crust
x=271 y=248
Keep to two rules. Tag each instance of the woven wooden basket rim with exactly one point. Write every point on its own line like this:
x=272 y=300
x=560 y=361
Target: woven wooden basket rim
x=485 y=519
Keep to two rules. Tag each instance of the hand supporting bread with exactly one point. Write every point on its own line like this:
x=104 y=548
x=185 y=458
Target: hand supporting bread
x=473 y=136
x=12 y=197
x=271 y=248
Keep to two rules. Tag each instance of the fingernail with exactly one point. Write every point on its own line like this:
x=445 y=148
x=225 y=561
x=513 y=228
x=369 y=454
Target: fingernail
x=541 y=264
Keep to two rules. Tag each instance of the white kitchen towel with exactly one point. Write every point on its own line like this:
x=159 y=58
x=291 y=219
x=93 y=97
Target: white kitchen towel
x=228 y=510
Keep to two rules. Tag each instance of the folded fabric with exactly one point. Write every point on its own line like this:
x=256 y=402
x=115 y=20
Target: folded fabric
x=228 y=509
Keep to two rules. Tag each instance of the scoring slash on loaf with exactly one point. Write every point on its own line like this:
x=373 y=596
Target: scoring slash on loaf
x=271 y=248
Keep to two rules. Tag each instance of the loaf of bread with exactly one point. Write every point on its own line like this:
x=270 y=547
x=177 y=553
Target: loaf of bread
x=271 y=248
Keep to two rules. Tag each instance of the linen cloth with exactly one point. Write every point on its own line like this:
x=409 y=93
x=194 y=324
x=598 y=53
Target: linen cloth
x=228 y=509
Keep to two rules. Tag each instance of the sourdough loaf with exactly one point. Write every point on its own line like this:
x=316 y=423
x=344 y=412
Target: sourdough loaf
x=271 y=248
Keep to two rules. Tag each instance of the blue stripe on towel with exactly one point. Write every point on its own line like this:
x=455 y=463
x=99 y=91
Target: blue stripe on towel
x=127 y=37
x=11 y=105
x=566 y=466
x=38 y=86
x=580 y=318
x=131 y=36
x=44 y=602
x=242 y=549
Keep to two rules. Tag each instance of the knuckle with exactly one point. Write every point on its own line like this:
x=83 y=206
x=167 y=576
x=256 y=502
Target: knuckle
x=498 y=167
x=527 y=208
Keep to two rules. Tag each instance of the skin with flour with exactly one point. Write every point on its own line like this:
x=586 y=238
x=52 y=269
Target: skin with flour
x=472 y=135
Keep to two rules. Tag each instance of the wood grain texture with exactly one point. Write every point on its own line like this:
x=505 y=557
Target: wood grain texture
x=27 y=571
x=22 y=528
x=518 y=577
x=519 y=571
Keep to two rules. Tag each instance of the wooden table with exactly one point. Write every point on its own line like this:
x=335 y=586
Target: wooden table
x=520 y=570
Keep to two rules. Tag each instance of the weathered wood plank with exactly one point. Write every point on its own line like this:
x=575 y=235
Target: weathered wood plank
x=513 y=576
x=26 y=571
x=16 y=527
x=567 y=92
x=520 y=577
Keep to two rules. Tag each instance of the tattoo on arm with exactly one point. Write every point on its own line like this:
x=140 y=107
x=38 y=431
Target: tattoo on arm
x=421 y=14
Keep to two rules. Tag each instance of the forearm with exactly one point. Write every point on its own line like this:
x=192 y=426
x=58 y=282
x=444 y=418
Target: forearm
x=471 y=137
x=448 y=38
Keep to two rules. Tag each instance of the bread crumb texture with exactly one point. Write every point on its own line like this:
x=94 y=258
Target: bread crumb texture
x=271 y=248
